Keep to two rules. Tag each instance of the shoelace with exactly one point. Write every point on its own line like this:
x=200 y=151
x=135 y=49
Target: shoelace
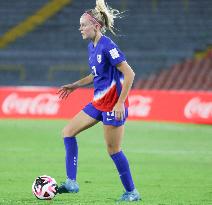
x=125 y=195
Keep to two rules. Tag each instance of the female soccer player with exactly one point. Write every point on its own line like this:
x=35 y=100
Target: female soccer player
x=112 y=78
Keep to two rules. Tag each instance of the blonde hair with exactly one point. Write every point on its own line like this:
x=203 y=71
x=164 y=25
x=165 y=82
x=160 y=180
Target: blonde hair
x=104 y=15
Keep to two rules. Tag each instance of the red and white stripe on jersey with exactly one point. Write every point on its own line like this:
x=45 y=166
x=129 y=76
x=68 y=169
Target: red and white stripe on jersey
x=105 y=100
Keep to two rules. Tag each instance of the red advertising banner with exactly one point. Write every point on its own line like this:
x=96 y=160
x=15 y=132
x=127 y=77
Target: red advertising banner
x=43 y=102
x=177 y=106
x=40 y=102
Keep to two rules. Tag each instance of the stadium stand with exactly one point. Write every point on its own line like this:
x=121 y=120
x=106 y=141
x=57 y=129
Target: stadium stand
x=193 y=74
x=156 y=36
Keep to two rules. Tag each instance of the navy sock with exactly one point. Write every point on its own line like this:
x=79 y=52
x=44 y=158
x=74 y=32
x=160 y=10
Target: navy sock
x=71 y=157
x=123 y=168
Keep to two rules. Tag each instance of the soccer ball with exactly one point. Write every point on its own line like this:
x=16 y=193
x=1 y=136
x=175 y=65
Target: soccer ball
x=44 y=187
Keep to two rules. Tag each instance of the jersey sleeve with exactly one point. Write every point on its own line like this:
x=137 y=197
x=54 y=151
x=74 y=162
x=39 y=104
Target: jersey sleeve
x=114 y=54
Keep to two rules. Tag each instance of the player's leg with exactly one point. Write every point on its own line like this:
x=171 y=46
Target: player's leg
x=80 y=122
x=77 y=124
x=113 y=137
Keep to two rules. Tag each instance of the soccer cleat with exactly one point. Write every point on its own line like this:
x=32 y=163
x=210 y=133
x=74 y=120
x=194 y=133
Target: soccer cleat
x=130 y=196
x=69 y=186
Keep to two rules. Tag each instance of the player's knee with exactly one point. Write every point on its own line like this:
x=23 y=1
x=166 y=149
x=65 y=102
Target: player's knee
x=67 y=132
x=112 y=149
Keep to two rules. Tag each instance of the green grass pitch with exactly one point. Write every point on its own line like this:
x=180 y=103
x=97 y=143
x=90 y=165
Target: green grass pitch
x=171 y=163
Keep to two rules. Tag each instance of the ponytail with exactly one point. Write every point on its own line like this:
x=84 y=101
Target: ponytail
x=105 y=16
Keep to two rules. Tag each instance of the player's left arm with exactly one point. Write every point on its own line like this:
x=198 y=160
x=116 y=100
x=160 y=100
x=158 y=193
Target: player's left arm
x=127 y=84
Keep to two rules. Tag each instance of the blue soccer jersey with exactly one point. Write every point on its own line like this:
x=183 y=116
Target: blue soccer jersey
x=107 y=78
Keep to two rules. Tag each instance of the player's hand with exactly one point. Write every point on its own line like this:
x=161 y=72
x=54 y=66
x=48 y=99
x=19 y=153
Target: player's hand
x=119 y=111
x=65 y=90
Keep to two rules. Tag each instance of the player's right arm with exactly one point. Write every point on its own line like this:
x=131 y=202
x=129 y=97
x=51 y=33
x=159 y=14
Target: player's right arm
x=65 y=90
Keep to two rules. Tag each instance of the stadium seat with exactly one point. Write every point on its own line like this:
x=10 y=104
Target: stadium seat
x=154 y=37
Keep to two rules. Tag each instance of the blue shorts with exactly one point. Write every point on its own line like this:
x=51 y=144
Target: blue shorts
x=108 y=118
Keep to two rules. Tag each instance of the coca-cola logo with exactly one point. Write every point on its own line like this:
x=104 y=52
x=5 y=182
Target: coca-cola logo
x=140 y=106
x=41 y=104
x=197 y=108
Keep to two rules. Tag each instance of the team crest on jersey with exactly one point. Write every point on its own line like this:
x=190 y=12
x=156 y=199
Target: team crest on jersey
x=99 y=58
